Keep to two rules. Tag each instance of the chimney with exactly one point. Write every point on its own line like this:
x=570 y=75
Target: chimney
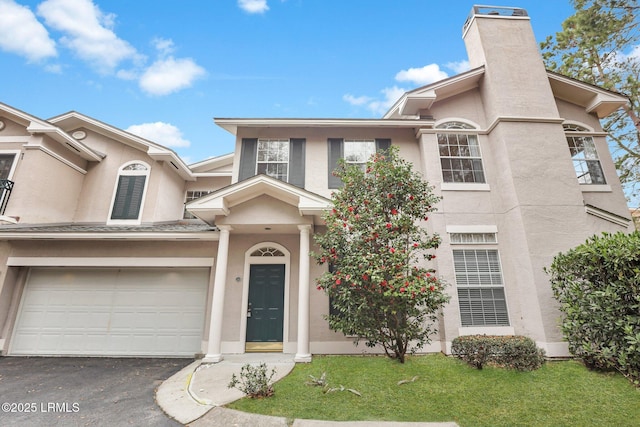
x=515 y=80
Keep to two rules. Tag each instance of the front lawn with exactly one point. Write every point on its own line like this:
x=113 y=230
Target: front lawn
x=559 y=394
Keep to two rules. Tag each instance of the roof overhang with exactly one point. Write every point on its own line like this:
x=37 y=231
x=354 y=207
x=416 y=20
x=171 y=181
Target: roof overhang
x=424 y=97
x=74 y=120
x=221 y=202
x=594 y=99
x=35 y=125
x=232 y=124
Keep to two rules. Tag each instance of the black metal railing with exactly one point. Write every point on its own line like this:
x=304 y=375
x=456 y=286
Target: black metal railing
x=5 y=192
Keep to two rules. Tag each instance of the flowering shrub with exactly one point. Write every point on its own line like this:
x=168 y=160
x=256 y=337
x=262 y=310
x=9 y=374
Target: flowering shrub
x=511 y=351
x=380 y=285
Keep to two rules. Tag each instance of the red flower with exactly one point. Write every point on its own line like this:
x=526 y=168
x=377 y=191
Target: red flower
x=350 y=208
x=415 y=245
x=410 y=197
x=392 y=250
x=394 y=211
x=426 y=218
x=388 y=225
x=338 y=281
x=402 y=289
x=365 y=277
x=390 y=196
x=432 y=288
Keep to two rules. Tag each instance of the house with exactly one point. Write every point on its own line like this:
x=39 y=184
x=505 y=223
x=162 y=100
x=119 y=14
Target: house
x=99 y=256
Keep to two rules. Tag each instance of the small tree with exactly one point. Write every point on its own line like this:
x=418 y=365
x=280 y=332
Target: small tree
x=598 y=287
x=376 y=246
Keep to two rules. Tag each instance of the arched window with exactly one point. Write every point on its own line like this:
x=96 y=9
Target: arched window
x=460 y=157
x=584 y=155
x=129 y=192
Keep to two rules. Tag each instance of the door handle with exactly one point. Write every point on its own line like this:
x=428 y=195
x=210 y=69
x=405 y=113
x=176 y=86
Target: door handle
x=249 y=310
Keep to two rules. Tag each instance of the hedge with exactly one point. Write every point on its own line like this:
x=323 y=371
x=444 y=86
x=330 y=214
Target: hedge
x=509 y=351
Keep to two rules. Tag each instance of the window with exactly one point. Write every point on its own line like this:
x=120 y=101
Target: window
x=584 y=155
x=353 y=151
x=473 y=238
x=460 y=157
x=129 y=193
x=480 y=288
x=6 y=165
x=279 y=158
x=273 y=158
x=191 y=196
x=358 y=151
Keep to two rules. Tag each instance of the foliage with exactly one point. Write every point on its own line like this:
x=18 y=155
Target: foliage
x=254 y=381
x=597 y=45
x=560 y=393
x=598 y=287
x=511 y=351
x=321 y=381
x=376 y=244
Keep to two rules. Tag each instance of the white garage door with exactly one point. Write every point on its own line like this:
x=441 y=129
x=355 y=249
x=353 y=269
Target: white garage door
x=112 y=312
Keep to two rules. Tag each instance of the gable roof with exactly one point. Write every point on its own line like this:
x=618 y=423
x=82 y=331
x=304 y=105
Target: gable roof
x=74 y=120
x=34 y=125
x=220 y=202
x=422 y=98
x=212 y=166
x=594 y=99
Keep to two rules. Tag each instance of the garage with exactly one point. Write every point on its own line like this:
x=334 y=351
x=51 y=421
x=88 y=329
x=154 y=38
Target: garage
x=112 y=312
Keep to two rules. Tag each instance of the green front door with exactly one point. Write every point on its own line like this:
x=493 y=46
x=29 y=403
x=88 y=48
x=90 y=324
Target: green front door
x=266 y=307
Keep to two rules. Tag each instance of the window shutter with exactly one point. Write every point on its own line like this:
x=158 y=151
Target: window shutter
x=296 y=162
x=335 y=154
x=383 y=144
x=248 y=153
x=128 y=197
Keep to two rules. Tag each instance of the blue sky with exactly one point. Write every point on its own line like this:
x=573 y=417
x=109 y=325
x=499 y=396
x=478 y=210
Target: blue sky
x=164 y=68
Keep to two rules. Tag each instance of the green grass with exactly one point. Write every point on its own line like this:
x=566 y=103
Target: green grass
x=559 y=394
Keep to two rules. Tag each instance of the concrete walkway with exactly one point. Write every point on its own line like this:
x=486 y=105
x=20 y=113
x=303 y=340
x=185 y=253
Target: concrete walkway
x=196 y=394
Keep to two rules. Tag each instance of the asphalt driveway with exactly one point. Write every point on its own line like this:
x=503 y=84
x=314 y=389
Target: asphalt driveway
x=72 y=391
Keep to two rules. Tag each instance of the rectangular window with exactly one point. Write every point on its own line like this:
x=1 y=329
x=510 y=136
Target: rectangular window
x=585 y=160
x=6 y=165
x=359 y=151
x=191 y=196
x=460 y=158
x=480 y=287
x=473 y=238
x=128 y=199
x=273 y=158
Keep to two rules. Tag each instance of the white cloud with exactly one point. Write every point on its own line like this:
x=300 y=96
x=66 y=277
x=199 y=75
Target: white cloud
x=170 y=75
x=356 y=100
x=89 y=32
x=391 y=95
x=458 y=66
x=422 y=76
x=161 y=133
x=23 y=34
x=163 y=46
x=253 y=6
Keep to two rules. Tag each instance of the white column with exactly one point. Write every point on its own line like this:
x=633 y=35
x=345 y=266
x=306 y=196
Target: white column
x=214 y=353
x=303 y=354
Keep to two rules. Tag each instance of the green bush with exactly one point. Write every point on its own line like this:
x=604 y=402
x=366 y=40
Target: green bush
x=254 y=381
x=598 y=287
x=510 y=351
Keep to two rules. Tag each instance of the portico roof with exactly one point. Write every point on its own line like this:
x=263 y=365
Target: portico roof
x=220 y=203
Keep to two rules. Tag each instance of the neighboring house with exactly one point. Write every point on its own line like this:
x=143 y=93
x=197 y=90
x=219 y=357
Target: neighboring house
x=100 y=257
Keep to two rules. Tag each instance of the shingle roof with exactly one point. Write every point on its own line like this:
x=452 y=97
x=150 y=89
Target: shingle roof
x=174 y=227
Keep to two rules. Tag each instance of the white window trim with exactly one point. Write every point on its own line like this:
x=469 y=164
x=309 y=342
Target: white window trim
x=121 y=172
x=595 y=188
x=16 y=154
x=472 y=229
x=288 y=162
x=489 y=329
x=345 y=141
x=464 y=186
